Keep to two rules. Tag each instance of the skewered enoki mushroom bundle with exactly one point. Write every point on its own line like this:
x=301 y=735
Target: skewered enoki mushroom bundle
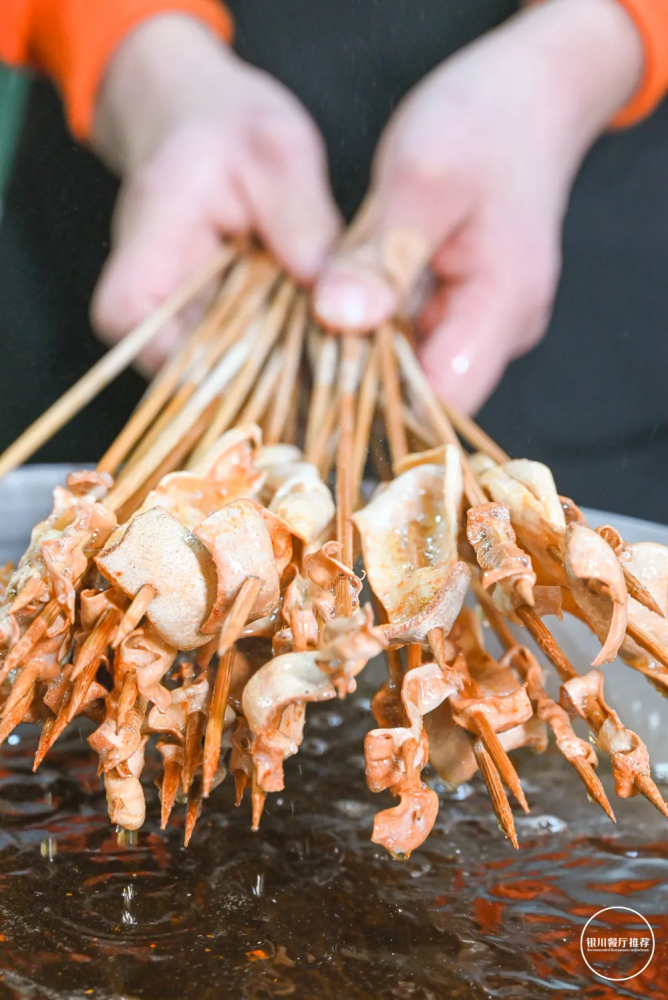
x=195 y=593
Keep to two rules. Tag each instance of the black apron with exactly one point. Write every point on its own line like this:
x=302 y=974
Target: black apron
x=590 y=400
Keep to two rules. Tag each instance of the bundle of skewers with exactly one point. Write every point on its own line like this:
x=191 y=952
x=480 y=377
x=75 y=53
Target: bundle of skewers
x=199 y=588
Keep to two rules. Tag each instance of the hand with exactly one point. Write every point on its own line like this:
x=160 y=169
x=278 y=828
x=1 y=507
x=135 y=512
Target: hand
x=207 y=147
x=472 y=177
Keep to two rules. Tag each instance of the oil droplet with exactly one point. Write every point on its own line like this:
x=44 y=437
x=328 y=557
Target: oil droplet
x=352 y=808
x=126 y=838
x=48 y=848
x=326 y=720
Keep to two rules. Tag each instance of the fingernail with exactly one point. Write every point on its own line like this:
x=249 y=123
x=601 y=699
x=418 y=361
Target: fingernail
x=343 y=305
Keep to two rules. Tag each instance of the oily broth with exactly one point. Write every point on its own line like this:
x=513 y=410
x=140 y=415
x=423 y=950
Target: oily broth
x=308 y=907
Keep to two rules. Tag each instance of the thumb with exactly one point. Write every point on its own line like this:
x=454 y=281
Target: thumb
x=408 y=213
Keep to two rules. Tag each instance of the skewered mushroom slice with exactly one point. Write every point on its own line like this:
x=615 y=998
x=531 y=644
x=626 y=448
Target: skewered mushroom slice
x=275 y=696
x=395 y=759
x=588 y=557
x=528 y=490
x=503 y=563
x=649 y=565
x=294 y=490
x=227 y=472
x=304 y=502
x=125 y=795
x=627 y=752
x=409 y=533
x=245 y=541
x=157 y=550
x=276 y=461
x=185 y=701
x=441 y=612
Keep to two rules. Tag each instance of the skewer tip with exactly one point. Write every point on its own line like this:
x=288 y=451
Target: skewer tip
x=592 y=783
x=647 y=787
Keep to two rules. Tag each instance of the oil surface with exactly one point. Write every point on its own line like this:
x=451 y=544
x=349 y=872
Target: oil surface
x=308 y=907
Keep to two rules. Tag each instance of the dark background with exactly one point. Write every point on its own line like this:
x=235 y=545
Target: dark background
x=591 y=400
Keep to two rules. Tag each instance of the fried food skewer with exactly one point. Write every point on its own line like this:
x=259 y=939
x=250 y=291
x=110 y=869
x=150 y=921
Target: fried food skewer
x=230 y=632
x=579 y=754
x=595 y=713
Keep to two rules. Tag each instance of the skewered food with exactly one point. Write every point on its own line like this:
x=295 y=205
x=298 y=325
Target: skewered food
x=195 y=593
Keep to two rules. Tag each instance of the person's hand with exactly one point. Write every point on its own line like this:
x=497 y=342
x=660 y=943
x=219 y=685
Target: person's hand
x=207 y=146
x=472 y=177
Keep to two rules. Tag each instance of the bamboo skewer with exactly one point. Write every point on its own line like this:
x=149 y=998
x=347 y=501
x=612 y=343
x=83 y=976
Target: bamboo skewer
x=349 y=377
x=647 y=641
x=108 y=367
x=294 y=341
x=140 y=604
x=170 y=783
x=496 y=793
x=392 y=405
x=242 y=316
x=174 y=434
x=321 y=397
x=234 y=398
x=167 y=379
x=263 y=393
x=230 y=632
x=585 y=770
x=366 y=409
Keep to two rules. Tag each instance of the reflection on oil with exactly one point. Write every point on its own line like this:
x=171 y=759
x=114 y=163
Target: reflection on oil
x=309 y=907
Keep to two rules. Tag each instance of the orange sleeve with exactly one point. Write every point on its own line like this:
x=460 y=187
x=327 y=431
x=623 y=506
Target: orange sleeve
x=651 y=19
x=73 y=40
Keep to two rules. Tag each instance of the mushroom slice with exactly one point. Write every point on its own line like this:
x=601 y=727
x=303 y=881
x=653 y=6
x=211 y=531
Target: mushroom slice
x=274 y=697
x=158 y=550
x=227 y=472
x=277 y=462
x=528 y=490
x=303 y=500
x=441 y=612
x=450 y=747
x=409 y=540
x=294 y=490
x=395 y=759
x=125 y=795
x=184 y=702
x=245 y=540
x=503 y=563
x=588 y=557
x=627 y=752
x=649 y=564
